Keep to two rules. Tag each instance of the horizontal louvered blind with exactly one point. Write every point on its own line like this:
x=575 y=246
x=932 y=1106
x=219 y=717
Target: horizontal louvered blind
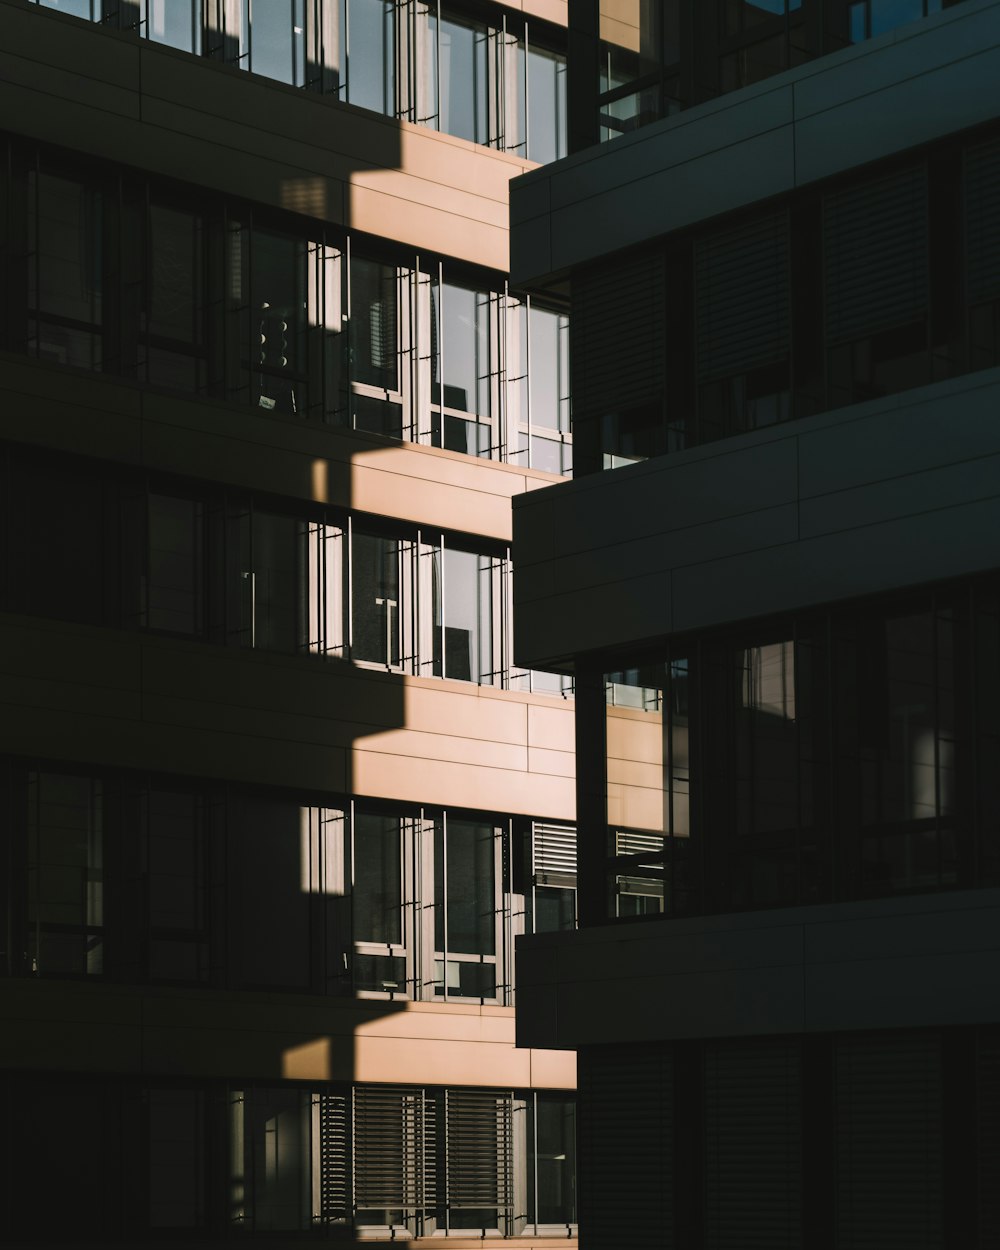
x=394 y=1149
x=876 y=255
x=743 y=296
x=334 y=1157
x=889 y=1151
x=625 y=1150
x=618 y=335
x=988 y=1116
x=480 y=1152
x=554 y=849
x=752 y=1145
x=982 y=221
x=628 y=842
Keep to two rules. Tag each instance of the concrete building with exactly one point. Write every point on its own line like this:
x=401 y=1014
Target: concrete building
x=775 y=581
x=275 y=799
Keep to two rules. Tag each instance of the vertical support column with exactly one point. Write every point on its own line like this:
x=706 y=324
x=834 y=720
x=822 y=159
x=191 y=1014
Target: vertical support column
x=591 y=798
x=582 y=72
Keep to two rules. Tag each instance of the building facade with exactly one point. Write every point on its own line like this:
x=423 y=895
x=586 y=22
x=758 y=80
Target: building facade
x=775 y=582
x=276 y=800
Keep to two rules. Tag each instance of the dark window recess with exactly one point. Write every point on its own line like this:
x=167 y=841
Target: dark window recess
x=617 y=356
x=982 y=252
x=743 y=297
x=877 y=286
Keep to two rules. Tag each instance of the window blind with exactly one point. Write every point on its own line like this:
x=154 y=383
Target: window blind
x=982 y=221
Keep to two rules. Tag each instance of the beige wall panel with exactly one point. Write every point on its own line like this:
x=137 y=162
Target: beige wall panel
x=456 y=785
x=552 y=726
x=553 y=1069
x=395 y=217
x=441 y=1063
x=634 y=735
x=465 y=710
x=552 y=763
x=444 y=748
x=234 y=446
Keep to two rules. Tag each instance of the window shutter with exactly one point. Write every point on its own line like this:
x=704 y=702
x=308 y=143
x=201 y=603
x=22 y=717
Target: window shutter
x=625 y=1153
x=752 y=1145
x=554 y=851
x=876 y=255
x=618 y=335
x=480 y=1154
x=742 y=293
x=334 y=1158
x=889 y=1147
x=982 y=221
x=394 y=1154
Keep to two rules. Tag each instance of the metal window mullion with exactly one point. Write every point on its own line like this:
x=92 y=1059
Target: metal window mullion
x=444 y=918
x=936 y=716
x=444 y=602
x=527 y=96
x=437 y=110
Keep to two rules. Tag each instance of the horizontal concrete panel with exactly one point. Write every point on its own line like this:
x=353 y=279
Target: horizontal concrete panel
x=142 y=701
x=882 y=496
x=86 y=414
x=807 y=969
x=77 y=84
x=923 y=81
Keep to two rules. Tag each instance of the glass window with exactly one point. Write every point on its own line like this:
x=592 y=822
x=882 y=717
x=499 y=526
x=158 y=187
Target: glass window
x=367 y=64
x=552 y=1161
x=273 y=582
x=275 y=314
x=374 y=324
x=375 y=600
x=65 y=282
x=270 y=1158
x=174 y=565
x=175 y=1158
x=468 y=614
x=465 y=910
x=175 y=22
x=546 y=105
x=277 y=40
x=176 y=348
x=174 y=864
x=65 y=875
x=462 y=57
x=378 y=900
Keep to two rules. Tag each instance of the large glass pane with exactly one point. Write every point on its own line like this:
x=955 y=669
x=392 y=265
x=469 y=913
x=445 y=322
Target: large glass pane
x=269 y=941
x=374 y=324
x=65 y=875
x=174 y=568
x=277 y=322
x=548 y=364
x=277 y=40
x=175 y=857
x=76 y=8
x=275 y=582
x=465 y=909
x=271 y=1158
x=465 y=349
x=378 y=884
x=367 y=61
x=175 y=22
x=65 y=294
x=375 y=605
x=176 y=1148
x=888 y=14
x=462 y=82
x=176 y=345
x=546 y=105
x=467 y=613
x=552 y=1161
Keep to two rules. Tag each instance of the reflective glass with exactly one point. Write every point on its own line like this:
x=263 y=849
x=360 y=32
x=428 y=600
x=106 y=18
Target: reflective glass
x=176 y=344
x=466 y=615
x=888 y=14
x=174 y=566
x=277 y=40
x=275 y=582
x=548 y=346
x=375 y=606
x=374 y=323
x=175 y=885
x=175 y=22
x=76 y=8
x=552 y=1166
x=367 y=65
x=378 y=887
x=546 y=105
x=277 y=322
x=462 y=85
x=271 y=1158
x=465 y=349
x=465 y=895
